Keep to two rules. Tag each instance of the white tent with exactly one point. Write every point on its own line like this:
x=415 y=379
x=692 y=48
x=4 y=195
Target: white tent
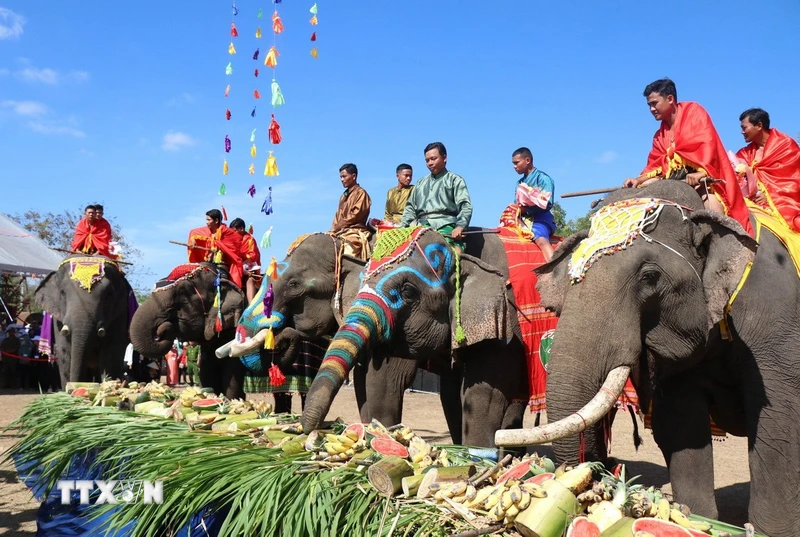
x=24 y=253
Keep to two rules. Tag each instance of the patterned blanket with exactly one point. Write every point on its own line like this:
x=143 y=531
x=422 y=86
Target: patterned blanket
x=299 y=379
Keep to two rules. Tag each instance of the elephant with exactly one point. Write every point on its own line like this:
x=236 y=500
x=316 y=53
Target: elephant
x=706 y=321
x=308 y=306
x=188 y=304
x=91 y=303
x=421 y=300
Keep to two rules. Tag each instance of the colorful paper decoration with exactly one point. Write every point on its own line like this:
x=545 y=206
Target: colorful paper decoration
x=234 y=31
x=271 y=168
x=314 y=36
x=228 y=69
x=266 y=207
x=222 y=188
x=260 y=13
x=277 y=25
x=253 y=151
x=250 y=229
x=313 y=9
x=277 y=94
x=252 y=169
x=272 y=57
x=313 y=20
x=252 y=190
x=231 y=49
x=255 y=54
x=234 y=10
x=256 y=94
x=224 y=212
x=274 y=131
x=227 y=90
x=224 y=169
x=266 y=239
x=258 y=32
x=253 y=136
x=228 y=114
x=314 y=53
x=256 y=72
x=227 y=144
x=253 y=113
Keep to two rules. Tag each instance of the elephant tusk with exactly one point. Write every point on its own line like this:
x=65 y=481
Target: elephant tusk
x=225 y=350
x=65 y=330
x=101 y=332
x=247 y=347
x=573 y=424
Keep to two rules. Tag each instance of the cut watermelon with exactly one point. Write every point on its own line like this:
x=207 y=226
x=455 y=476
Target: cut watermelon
x=358 y=429
x=541 y=478
x=207 y=404
x=519 y=471
x=583 y=527
x=659 y=528
x=387 y=447
x=80 y=392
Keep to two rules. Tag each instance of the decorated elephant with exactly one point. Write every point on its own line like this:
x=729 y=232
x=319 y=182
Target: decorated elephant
x=315 y=284
x=706 y=321
x=418 y=299
x=91 y=303
x=196 y=302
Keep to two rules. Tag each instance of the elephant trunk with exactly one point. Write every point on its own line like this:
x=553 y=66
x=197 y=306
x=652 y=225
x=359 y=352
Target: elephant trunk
x=367 y=324
x=80 y=347
x=150 y=339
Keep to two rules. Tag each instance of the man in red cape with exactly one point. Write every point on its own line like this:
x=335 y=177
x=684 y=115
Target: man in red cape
x=687 y=142
x=92 y=235
x=251 y=259
x=217 y=243
x=774 y=158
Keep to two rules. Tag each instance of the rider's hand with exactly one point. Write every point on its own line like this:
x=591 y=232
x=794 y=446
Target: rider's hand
x=458 y=233
x=760 y=198
x=693 y=179
x=631 y=183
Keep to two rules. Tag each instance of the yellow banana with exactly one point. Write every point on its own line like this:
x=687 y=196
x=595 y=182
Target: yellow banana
x=516 y=494
x=512 y=513
x=663 y=509
x=497 y=513
x=537 y=491
x=481 y=496
x=699 y=525
x=458 y=488
x=352 y=435
x=679 y=518
x=471 y=492
x=524 y=502
x=334 y=448
x=460 y=499
x=506 y=501
x=494 y=498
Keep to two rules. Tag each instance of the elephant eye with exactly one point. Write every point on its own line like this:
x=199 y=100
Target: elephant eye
x=651 y=277
x=409 y=292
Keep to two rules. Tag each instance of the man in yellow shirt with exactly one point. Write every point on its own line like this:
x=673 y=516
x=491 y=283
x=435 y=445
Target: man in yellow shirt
x=397 y=197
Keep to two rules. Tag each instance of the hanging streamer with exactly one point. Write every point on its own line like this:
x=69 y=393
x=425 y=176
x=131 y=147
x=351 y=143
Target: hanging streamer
x=314 y=53
x=266 y=207
x=256 y=94
x=272 y=57
x=266 y=239
x=227 y=90
x=231 y=49
x=253 y=136
x=252 y=190
x=274 y=131
x=228 y=69
x=253 y=151
x=277 y=25
x=250 y=229
x=255 y=54
x=223 y=189
x=227 y=144
x=277 y=94
x=228 y=114
x=224 y=212
x=252 y=169
x=271 y=168
x=234 y=31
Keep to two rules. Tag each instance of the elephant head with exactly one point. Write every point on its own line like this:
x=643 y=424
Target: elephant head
x=418 y=299
x=639 y=295
x=195 y=302
x=313 y=283
x=89 y=299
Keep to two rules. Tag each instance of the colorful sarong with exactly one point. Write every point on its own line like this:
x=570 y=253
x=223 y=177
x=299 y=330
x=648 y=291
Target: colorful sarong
x=299 y=379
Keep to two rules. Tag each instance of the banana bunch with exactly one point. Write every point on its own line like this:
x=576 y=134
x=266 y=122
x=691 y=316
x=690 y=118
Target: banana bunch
x=679 y=514
x=503 y=501
x=339 y=447
x=239 y=406
x=418 y=450
x=404 y=435
x=189 y=396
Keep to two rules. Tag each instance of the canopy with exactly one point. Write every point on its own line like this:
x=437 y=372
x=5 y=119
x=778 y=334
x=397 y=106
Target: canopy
x=23 y=252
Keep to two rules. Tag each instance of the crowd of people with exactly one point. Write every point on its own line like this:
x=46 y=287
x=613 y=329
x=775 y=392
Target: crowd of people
x=23 y=365
x=180 y=365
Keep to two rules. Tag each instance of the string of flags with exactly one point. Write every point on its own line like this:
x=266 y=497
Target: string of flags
x=313 y=21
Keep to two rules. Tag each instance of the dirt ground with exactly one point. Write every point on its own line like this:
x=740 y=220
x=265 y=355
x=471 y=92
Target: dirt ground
x=423 y=413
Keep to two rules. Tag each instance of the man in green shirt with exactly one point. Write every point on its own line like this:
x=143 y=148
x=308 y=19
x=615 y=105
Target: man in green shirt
x=192 y=362
x=440 y=200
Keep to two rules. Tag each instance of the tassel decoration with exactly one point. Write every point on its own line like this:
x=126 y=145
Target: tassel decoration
x=228 y=69
x=231 y=49
x=253 y=113
x=277 y=25
x=276 y=376
x=266 y=207
x=314 y=36
x=252 y=169
x=234 y=9
x=224 y=213
x=260 y=13
x=218 y=257
x=253 y=136
x=313 y=20
x=266 y=239
x=314 y=53
x=224 y=170
x=216 y=301
x=274 y=131
x=277 y=94
x=269 y=341
x=253 y=152
x=271 y=169
x=228 y=114
x=222 y=188
x=258 y=34
x=252 y=191
x=255 y=54
x=269 y=298
x=218 y=325
x=227 y=90
x=255 y=73
x=234 y=31
x=227 y=144
x=313 y=9
x=256 y=94
x=272 y=57
x=272 y=268
x=250 y=229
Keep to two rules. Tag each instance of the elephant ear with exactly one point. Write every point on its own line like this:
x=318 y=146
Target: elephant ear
x=350 y=284
x=552 y=279
x=48 y=296
x=483 y=304
x=232 y=307
x=727 y=249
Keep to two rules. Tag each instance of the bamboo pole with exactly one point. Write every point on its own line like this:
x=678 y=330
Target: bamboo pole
x=73 y=252
x=590 y=192
x=387 y=474
x=190 y=246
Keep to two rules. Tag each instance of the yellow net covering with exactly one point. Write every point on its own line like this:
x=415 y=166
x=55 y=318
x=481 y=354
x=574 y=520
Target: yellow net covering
x=390 y=240
x=86 y=271
x=613 y=228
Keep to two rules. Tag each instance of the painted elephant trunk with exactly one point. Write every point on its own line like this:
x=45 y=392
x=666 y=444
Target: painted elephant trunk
x=367 y=324
x=150 y=340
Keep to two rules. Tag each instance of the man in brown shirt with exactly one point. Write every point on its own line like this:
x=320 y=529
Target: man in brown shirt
x=351 y=216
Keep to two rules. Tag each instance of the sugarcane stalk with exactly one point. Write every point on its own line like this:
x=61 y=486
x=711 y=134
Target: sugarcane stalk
x=411 y=484
x=549 y=516
x=387 y=474
x=440 y=476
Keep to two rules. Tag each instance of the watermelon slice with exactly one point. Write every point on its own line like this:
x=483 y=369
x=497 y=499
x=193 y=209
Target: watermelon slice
x=541 y=478
x=207 y=404
x=387 y=447
x=583 y=527
x=358 y=429
x=80 y=392
x=659 y=528
x=518 y=471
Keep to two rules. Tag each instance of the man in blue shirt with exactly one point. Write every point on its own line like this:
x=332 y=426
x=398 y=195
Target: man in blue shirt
x=535 y=192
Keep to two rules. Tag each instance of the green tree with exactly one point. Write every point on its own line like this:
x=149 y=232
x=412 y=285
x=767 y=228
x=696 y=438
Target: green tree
x=57 y=229
x=564 y=227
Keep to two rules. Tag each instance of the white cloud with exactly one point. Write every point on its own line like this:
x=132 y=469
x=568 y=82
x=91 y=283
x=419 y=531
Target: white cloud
x=51 y=76
x=25 y=108
x=183 y=98
x=55 y=129
x=175 y=141
x=10 y=24
x=607 y=157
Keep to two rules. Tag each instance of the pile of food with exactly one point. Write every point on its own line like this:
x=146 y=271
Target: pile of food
x=258 y=470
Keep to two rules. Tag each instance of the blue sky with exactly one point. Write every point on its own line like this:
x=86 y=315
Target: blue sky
x=123 y=103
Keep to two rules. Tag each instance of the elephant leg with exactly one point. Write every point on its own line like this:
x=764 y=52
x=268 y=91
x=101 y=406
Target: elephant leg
x=233 y=378
x=283 y=402
x=360 y=387
x=387 y=379
x=450 y=396
x=211 y=369
x=682 y=430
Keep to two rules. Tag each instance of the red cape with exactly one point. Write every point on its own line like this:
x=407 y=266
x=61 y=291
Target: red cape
x=779 y=172
x=250 y=251
x=699 y=145
x=93 y=237
x=227 y=241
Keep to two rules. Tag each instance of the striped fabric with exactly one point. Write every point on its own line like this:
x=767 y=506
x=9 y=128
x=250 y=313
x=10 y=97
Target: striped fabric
x=299 y=379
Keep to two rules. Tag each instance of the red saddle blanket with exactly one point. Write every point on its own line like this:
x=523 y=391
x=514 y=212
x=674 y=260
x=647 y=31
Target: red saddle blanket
x=534 y=321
